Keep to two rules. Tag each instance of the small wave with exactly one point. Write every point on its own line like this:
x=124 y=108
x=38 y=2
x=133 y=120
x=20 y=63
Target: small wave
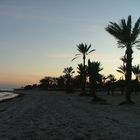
x=7 y=95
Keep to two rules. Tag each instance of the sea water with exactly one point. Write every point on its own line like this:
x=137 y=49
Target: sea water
x=7 y=94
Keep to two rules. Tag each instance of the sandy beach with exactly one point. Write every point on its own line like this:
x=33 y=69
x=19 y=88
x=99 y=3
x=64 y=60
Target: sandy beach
x=50 y=115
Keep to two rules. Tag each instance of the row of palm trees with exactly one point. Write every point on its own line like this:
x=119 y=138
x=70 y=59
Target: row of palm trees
x=127 y=37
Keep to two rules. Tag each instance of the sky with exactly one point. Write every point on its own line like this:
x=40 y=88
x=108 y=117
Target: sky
x=39 y=38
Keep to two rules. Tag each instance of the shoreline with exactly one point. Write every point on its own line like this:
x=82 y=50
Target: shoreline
x=10 y=95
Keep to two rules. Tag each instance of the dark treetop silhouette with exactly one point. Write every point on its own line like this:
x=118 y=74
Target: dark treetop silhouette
x=68 y=78
x=95 y=77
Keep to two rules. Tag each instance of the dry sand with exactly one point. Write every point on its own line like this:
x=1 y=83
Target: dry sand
x=49 y=115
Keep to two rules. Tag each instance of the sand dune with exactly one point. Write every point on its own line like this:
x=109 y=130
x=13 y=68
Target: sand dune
x=49 y=115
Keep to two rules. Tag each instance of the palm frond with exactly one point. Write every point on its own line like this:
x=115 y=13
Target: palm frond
x=119 y=71
x=122 y=69
x=136 y=42
x=91 y=51
x=120 y=45
x=126 y=30
x=81 y=48
x=88 y=47
x=136 y=69
x=94 y=67
x=74 y=58
x=116 y=26
x=124 y=33
x=123 y=24
x=129 y=25
x=77 y=54
x=114 y=29
x=136 y=30
x=124 y=59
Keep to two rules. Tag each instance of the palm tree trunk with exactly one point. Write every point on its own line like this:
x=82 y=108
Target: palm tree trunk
x=128 y=85
x=84 y=75
x=92 y=87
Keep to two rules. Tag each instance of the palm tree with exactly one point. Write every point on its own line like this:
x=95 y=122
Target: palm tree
x=94 y=77
x=127 y=37
x=123 y=59
x=68 y=78
x=122 y=69
x=68 y=71
x=81 y=70
x=84 y=50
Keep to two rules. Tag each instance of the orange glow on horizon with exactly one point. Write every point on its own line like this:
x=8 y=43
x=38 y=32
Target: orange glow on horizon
x=19 y=80
x=15 y=80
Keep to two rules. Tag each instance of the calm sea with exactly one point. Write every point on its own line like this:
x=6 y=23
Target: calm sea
x=7 y=94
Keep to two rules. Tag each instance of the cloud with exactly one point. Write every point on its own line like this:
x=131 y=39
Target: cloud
x=59 y=56
x=94 y=57
x=105 y=58
x=23 y=12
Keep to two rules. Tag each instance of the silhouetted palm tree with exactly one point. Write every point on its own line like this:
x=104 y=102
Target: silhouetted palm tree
x=81 y=73
x=68 y=71
x=68 y=78
x=80 y=69
x=127 y=38
x=84 y=50
x=94 y=77
x=123 y=59
x=122 y=69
